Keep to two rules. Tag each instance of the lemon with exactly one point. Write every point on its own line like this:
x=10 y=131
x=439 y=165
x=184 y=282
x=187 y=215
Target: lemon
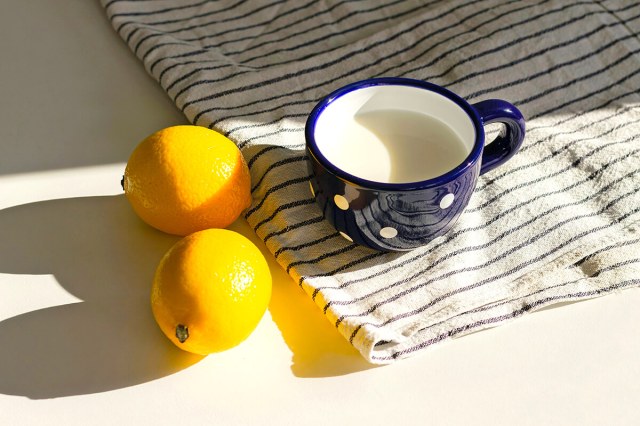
x=210 y=291
x=184 y=179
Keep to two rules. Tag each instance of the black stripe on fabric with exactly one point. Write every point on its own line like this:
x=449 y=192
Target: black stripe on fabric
x=551 y=69
x=614 y=266
x=275 y=188
x=365 y=258
x=110 y=3
x=282 y=207
x=264 y=150
x=524 y=309
x=450 y=51
x=273 y=31
x=308 y=44
x=323 y=66
x=261 y=153
x=323 y=256
x=288 y=228
x=157 y=11
x=107 y=5
x=569 y=167
x=606 y=249
x=334 y=22
x=189 y=42
x=576 y=115
x=150 y=26
x=597 y=92
x=248 y=141
x=259 y=125
x=488 y=280
x=504 y=46
x=275 y=108
x=183 y=64
x=254 y=46
x=370 y=64
x=491 y=306
x=305 y=245
x=199 y=51
x=490 y=181
x=499 y=87
x=182 y=55
x=535 y=54
x=474 y=74
x=588 y=76
x=462 y=231
x=277 y=164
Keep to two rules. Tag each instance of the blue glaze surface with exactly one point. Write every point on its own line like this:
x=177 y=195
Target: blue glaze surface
x=511 y=137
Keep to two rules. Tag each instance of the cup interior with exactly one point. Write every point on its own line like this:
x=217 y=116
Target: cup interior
x=393 y=133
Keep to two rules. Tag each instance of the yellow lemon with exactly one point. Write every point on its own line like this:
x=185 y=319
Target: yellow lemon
x=184 y=179
x=210 y=291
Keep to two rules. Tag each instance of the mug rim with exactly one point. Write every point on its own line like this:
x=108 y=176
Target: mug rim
x=452 y=174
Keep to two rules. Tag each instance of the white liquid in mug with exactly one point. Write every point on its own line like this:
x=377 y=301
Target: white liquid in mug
x=396 y=146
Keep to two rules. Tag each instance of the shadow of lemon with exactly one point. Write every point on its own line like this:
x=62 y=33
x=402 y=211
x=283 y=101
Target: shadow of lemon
x=100 y=252
x=318 y=349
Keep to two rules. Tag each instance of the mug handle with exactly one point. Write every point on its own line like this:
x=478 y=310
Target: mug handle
x=511 y=136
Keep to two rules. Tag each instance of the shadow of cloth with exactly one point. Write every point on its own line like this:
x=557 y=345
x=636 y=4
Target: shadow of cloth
x=100 y=252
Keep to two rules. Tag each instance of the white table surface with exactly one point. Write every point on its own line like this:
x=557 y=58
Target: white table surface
x=78 y=344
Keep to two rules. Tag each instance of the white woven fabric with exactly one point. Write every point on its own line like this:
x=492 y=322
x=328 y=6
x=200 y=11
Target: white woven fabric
x=556 y=223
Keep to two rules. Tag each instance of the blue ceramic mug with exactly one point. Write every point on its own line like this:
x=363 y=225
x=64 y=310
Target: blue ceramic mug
x=394 y=161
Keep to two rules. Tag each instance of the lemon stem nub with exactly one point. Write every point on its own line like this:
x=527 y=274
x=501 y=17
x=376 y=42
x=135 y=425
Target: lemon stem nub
x=182 y=333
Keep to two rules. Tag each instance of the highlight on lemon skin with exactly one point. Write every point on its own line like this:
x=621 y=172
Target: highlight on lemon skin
x=210 y=291
x=184 y=179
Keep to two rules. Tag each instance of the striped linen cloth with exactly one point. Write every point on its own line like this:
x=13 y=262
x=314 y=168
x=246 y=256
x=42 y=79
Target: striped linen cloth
x=557 y=223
